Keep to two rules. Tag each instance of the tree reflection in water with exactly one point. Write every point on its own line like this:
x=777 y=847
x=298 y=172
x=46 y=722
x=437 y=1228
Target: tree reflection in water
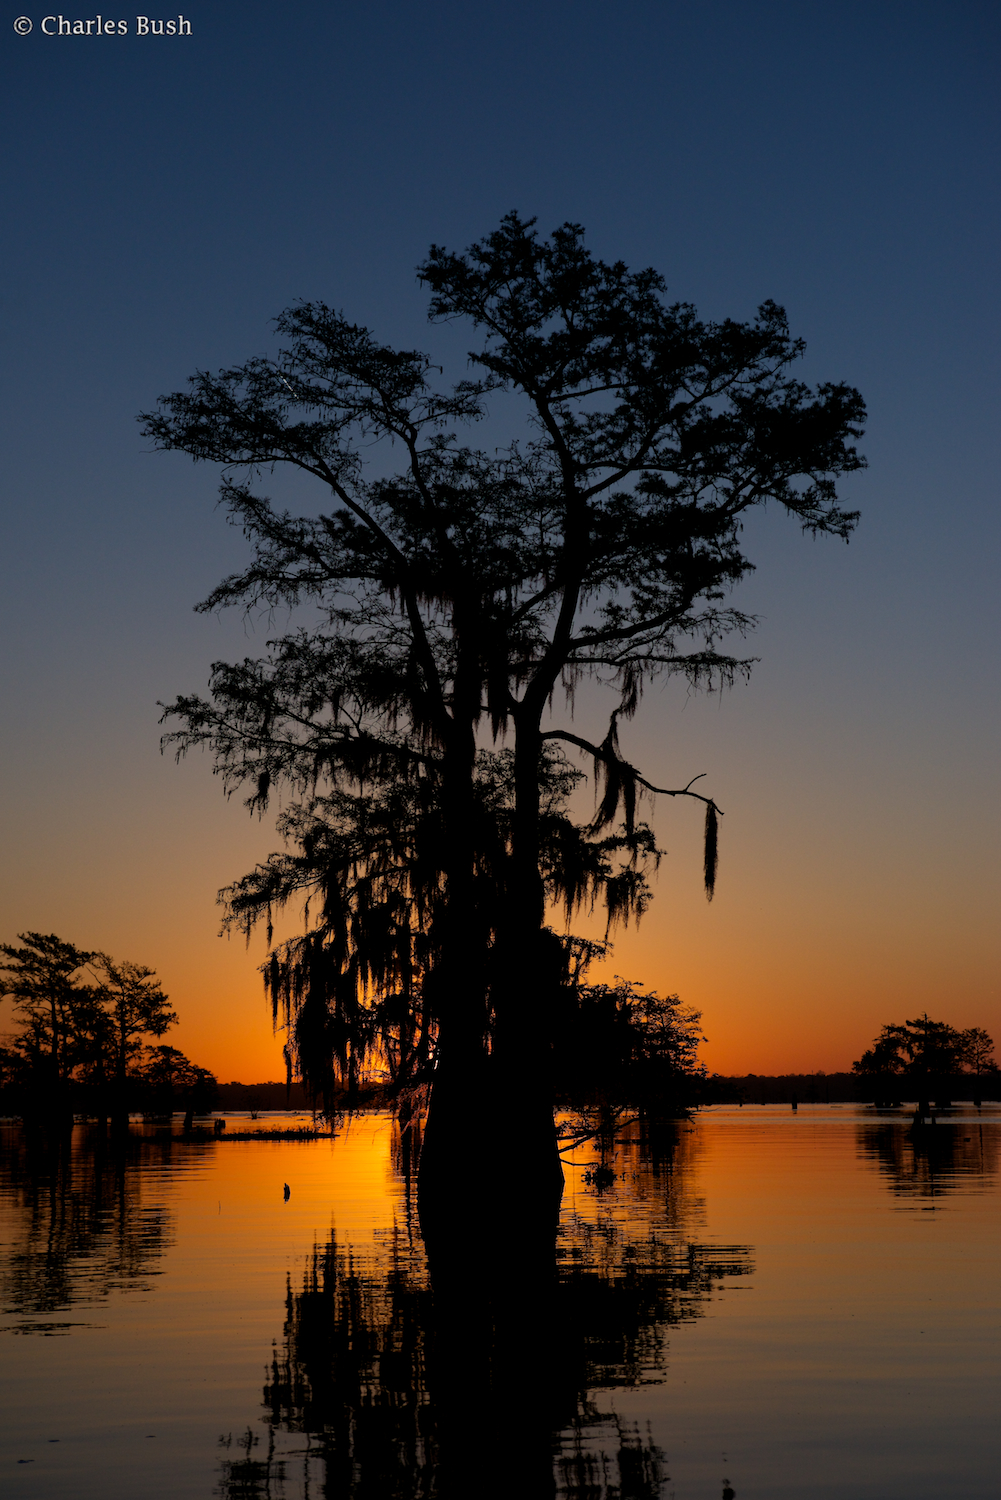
x=930 y=1161
x=84 y=1224
x=475 y=1364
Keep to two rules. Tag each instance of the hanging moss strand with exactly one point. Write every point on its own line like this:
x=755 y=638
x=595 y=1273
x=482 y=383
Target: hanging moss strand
x=712 y=849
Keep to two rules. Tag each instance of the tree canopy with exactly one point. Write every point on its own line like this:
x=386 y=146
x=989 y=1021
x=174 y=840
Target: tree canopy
x=135 y=1006
x=414 y=723
x=924 y=1047
x=85 y=1020
x=61 y=1021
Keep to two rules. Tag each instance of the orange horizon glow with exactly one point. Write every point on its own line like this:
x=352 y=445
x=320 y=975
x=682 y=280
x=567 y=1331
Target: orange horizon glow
x=780 y=994
x=836 y=910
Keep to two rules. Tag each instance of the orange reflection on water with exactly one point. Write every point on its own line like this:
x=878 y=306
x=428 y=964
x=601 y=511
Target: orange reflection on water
x=805 y=1304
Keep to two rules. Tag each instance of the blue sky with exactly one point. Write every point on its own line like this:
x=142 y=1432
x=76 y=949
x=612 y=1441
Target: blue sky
x=165 y=197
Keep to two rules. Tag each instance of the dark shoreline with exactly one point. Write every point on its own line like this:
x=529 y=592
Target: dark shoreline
x=746 y=1088
x=854 y=1088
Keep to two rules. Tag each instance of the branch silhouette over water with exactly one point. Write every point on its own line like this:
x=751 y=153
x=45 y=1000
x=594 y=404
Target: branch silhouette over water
x=474 y=1359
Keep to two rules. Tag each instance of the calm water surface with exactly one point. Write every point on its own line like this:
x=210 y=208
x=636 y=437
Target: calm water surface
x=780 y=1304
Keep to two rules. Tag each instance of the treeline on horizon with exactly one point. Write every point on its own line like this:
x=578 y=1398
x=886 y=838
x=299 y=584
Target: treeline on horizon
x=90 y=1027
x=88 y=1037
x=714 y=1088
x=89 y=1043
x=915 y=1061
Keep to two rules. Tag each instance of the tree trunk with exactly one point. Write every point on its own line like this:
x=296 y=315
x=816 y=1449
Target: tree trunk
x=529 y=969
x=490 y=1128
x=460 y=1117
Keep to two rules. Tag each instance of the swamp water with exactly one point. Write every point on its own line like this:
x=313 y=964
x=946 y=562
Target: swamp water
x=757 y=1304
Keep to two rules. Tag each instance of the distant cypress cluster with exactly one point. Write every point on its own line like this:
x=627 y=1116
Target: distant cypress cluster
x=88 y=1036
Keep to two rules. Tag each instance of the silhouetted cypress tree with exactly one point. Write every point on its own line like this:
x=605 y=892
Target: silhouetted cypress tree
x=416 y=726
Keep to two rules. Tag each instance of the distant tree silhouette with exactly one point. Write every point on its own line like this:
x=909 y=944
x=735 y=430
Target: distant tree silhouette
x=924 y=1048
x=136 y=1007
x=169 y=1079
x=59 y=1015
x=978 y=1053
x=623 y=1047
x=415 y=729
x=85 y=1019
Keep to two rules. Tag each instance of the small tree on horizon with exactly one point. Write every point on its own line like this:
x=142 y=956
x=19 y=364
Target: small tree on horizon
x=136 y=1007
x=978 y=1052
x=169 y=1078
x=922 y=1048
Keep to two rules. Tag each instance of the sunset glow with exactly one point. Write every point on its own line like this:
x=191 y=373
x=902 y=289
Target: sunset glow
x=856 y=771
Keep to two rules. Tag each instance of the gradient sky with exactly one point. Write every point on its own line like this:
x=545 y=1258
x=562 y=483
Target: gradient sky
x=165 y=197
